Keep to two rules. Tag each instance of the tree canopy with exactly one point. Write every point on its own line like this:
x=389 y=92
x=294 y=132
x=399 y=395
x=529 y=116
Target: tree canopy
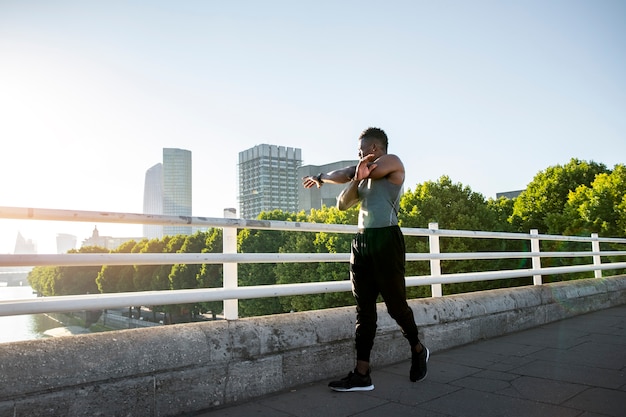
x=599 y=207
x=541 y=206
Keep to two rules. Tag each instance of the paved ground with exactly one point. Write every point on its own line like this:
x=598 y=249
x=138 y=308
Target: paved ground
x=575 y=367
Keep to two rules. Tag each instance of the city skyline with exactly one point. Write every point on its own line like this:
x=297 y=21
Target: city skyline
x=488 y=93
x=260 y=161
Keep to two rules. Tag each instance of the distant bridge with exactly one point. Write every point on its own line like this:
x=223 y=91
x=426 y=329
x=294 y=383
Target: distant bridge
x=14 y=276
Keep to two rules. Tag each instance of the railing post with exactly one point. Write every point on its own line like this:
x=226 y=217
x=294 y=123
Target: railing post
x=536 y=260
x=597 y=259
x=229 y=245
x=435 y=264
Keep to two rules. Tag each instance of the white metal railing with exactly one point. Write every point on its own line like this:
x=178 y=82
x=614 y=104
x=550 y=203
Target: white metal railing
x=230 y=292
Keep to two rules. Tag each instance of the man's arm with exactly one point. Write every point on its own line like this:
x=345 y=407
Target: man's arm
x=349 y=196
x=389 y=166
x=339 y=176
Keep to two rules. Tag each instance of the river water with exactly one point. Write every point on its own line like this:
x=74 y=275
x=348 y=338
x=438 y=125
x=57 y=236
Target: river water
x=25 y=327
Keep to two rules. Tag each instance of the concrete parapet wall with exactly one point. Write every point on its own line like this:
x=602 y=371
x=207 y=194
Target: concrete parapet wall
x=172 y=370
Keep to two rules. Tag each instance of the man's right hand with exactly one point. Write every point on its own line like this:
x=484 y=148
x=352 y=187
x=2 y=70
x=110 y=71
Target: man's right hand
x=310 y=181
x=365 y=167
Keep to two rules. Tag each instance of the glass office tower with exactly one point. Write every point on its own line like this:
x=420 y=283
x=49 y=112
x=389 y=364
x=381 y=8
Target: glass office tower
x=167 y=191
x=176 y=188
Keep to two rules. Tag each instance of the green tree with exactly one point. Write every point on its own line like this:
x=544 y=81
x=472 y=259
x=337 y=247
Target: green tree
x=319 y=242
x=43 y=279
x=454 y=206
x=74 y=280
x=173 y=245
x=211 y=275
x=502 y=209
x=145 y=276
x=599 y=208
x=117 y=278
x=158 y=275
x=161 y=274
x=250 y=274
x=541 y=206
x=186 y=276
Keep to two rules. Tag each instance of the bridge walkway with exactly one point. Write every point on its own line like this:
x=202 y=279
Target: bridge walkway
x=572 y=368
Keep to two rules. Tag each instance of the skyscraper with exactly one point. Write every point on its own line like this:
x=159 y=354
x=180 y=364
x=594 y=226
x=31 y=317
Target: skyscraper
x=167 y=191
x=24 y=246
x=268 y=179
x=153 y=199
x=176 y=188
x=65 y=242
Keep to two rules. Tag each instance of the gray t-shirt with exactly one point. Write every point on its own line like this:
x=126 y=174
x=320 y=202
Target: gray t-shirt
x=380 y=201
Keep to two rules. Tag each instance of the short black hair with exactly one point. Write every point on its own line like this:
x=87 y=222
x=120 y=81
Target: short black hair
x=377 y=134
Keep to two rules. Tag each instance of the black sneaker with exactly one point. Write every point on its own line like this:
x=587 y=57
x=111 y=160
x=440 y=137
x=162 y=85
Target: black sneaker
x=353 y=382
x=418 y=364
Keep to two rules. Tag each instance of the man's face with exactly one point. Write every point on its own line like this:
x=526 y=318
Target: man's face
x=366 y=147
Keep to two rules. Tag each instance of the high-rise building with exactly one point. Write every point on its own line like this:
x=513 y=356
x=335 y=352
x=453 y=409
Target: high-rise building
x=176 y=188
x=167 y=191
x=268 y=179
x=24 y=246
x=65 y=242
x=153 y=199
x=315 y=198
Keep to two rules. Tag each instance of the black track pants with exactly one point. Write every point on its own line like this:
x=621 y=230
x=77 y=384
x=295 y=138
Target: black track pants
x=377 y=267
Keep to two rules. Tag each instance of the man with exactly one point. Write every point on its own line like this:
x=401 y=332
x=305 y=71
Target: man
x=378 y=253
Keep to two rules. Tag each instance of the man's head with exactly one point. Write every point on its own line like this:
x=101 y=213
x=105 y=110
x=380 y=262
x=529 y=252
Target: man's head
x=373 y=140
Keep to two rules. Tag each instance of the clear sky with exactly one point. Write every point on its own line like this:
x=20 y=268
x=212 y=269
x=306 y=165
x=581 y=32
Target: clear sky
x=487 y=92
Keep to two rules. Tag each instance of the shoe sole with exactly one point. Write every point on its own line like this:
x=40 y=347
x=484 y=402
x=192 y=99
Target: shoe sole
x=353 y=389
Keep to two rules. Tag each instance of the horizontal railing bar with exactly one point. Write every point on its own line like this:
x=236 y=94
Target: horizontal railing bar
x=97 y=259
x=505 y=235
x=505 y=274
x=67 y=303
x=25 y=213
x=158 y=219
x=508 y=255
x=148 y=298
